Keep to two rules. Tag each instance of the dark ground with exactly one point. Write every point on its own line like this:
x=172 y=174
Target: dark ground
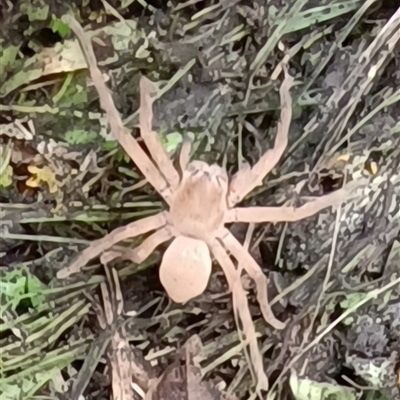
x=64 y=181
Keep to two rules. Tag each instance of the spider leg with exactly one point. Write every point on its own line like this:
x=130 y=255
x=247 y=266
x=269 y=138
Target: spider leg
x=143 y=251
x=255 y=273
x=290 y=214
x=184 y=155
x=241 y=308
x=117 y=235
x=120 y=133
x=151 y=138
x=244 y=181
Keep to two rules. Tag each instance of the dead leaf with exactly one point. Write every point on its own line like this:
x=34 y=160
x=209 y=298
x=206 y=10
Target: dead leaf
x=184 y=382
x=42 y=175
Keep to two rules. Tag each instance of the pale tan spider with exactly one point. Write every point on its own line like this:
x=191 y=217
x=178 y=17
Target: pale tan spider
x=201 y=200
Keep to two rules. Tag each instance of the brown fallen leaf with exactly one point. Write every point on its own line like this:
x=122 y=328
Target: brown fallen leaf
x=184 y=382
x=42 y=175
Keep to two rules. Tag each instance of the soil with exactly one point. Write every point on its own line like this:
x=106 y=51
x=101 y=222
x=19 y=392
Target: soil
x=337 y=272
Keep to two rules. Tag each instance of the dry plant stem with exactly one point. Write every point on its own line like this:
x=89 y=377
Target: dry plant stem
x=244 y=181
x=119 y=351
x=241 y=307
x=151 y=139
x=289 y=214
x=117 y=235
x=247 y=262
x=129 y=144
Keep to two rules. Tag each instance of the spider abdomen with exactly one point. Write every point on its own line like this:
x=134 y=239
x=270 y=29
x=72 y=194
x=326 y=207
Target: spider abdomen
x=185 y=268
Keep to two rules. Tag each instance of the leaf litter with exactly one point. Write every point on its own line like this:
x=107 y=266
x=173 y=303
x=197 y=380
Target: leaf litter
x=336 y=277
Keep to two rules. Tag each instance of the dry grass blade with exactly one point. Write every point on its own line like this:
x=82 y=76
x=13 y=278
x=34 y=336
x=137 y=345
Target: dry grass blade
x=120 y=355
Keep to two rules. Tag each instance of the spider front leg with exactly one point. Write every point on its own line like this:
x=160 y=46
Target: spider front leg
x=129 y=144
x=184 y=154
x=244 y=181
x=151 y=138
x=117 y=235
x=290 y=214
x=246 y=261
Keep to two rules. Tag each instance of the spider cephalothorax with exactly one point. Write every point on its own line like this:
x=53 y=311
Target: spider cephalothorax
x=200 y=216
x=201 y=200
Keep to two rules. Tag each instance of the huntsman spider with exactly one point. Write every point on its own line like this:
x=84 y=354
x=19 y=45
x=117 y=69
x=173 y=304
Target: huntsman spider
x=201 y=199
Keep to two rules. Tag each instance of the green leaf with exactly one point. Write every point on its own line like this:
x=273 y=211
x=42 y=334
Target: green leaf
x=72 y=93
x=36 y=10
x=19 y=285
x=10 y=391
x=6 y=177
x=58 y=26
x=12 y=284
x=109 y=145
x=80 y=136
x=28 y=386
x=120 y=155
x=35 y=287
x=306 y=389
x=172 y=141
x=352 y=299
x=8 y=55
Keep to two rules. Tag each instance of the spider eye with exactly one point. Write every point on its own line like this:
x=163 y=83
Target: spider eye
x=223 y=178
x=195 y=172
x=192 y=169
x=219 y=180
